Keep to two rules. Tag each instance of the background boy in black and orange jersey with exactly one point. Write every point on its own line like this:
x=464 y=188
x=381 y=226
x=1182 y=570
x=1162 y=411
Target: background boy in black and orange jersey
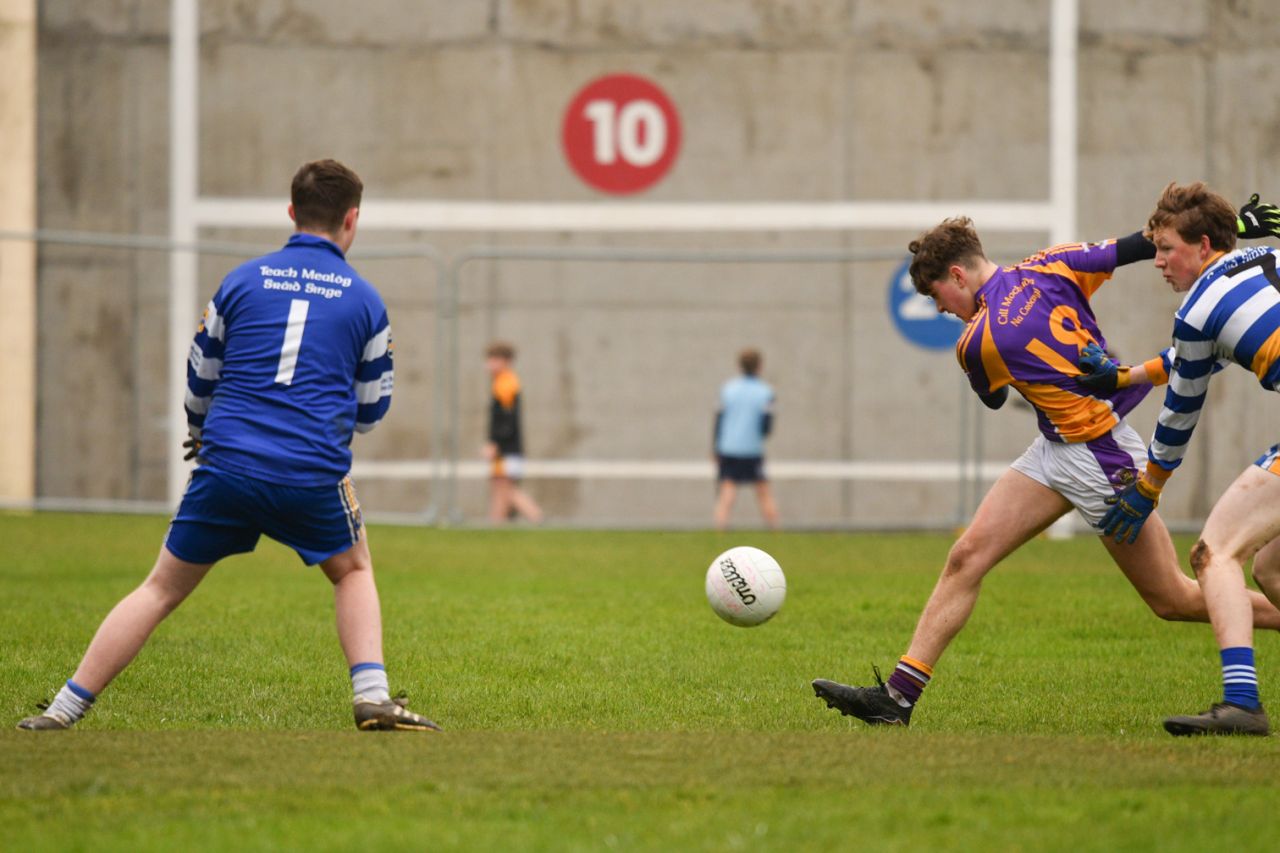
x=505 y=448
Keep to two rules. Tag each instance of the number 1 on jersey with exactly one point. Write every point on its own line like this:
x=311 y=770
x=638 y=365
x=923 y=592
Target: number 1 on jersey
x=292 y=340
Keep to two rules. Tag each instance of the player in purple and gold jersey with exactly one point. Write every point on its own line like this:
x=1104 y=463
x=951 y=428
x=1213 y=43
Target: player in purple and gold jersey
x=1026 y=328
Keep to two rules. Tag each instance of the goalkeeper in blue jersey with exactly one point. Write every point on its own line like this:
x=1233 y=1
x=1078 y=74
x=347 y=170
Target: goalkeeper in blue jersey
x=292 y=357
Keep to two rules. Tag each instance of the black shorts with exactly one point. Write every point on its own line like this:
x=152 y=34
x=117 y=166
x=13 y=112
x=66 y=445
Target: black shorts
x=742 y=469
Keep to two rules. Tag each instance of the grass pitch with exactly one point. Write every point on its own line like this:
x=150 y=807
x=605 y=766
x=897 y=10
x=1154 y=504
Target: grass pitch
x=592 y=700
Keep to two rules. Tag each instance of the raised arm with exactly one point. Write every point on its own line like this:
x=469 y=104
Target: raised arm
x=1134 y=248
x=1256 y=220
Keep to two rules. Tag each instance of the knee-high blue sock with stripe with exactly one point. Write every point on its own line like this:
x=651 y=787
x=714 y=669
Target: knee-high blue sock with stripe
x=1240 y=677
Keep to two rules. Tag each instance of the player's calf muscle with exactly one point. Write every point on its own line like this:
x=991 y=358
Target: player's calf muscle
x=1182 y=608
x=1266 y=576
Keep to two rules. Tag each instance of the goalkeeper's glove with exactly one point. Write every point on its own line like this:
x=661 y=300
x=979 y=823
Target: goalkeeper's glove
x=1100 y=371
x=193 y=446
x=1130 y=509
x=1258 y=219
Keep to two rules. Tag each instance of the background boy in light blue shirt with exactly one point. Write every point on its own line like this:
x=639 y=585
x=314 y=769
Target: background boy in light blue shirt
x=743 y=421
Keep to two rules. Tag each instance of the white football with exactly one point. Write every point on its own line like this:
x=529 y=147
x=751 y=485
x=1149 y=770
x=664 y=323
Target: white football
x=745 y=586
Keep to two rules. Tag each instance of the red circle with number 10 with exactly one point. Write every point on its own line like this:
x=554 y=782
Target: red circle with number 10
x=621 y=133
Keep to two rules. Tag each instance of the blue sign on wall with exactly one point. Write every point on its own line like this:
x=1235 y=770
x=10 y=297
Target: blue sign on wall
x=915 y=315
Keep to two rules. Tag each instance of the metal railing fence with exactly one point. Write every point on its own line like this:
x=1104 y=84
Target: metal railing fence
x=446 y=274
x=970 y=470
x=428 y=254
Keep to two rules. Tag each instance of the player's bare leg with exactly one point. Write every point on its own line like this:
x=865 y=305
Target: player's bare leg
x=499 y=499
x=120 y=637
x=1245 y=518
x=525 y=505
x=1266 y=572
x=355 y=600
x=1243 y=521
x=359 y=615
x=125 y=630
x=1151 y=565
x=725 y=496
x=768 y=509
x=1015 y=510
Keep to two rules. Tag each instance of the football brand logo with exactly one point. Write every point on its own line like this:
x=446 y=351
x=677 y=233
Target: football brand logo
x=737 y=581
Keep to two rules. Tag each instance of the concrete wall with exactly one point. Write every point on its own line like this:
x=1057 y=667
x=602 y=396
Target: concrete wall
x=795 y=100
x=17 y=260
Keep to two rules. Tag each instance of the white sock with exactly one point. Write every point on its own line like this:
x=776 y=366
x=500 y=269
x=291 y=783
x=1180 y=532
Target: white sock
x=71 y=703
x=369 y=682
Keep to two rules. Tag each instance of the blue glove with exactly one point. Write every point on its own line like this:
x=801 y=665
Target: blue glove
x=1101 y=372
x=1129 y=511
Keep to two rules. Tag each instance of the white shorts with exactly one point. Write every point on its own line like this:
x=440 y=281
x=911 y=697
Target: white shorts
x=1086 y=473
x=511 y=467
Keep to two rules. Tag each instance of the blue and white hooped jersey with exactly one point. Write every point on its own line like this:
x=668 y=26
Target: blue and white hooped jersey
x=293 y=355
x=1231 y=314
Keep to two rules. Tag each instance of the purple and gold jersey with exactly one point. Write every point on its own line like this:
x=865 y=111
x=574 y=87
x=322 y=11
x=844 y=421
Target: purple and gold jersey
x=1032 y=320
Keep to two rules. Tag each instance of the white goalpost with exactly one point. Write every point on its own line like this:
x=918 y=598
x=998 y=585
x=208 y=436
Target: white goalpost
x=191 y=211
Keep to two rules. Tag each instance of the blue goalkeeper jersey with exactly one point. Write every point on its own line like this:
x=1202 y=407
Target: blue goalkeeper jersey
x=292 y=356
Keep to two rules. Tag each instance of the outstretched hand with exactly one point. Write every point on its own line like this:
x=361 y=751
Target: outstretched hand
x=1258 y=219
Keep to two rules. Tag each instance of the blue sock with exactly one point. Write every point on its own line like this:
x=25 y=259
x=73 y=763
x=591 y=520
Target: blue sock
x=1240 y=677
x=369 y=681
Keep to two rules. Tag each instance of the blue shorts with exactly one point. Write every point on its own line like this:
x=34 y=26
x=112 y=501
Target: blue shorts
x=223 y=514
x=742 y=469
